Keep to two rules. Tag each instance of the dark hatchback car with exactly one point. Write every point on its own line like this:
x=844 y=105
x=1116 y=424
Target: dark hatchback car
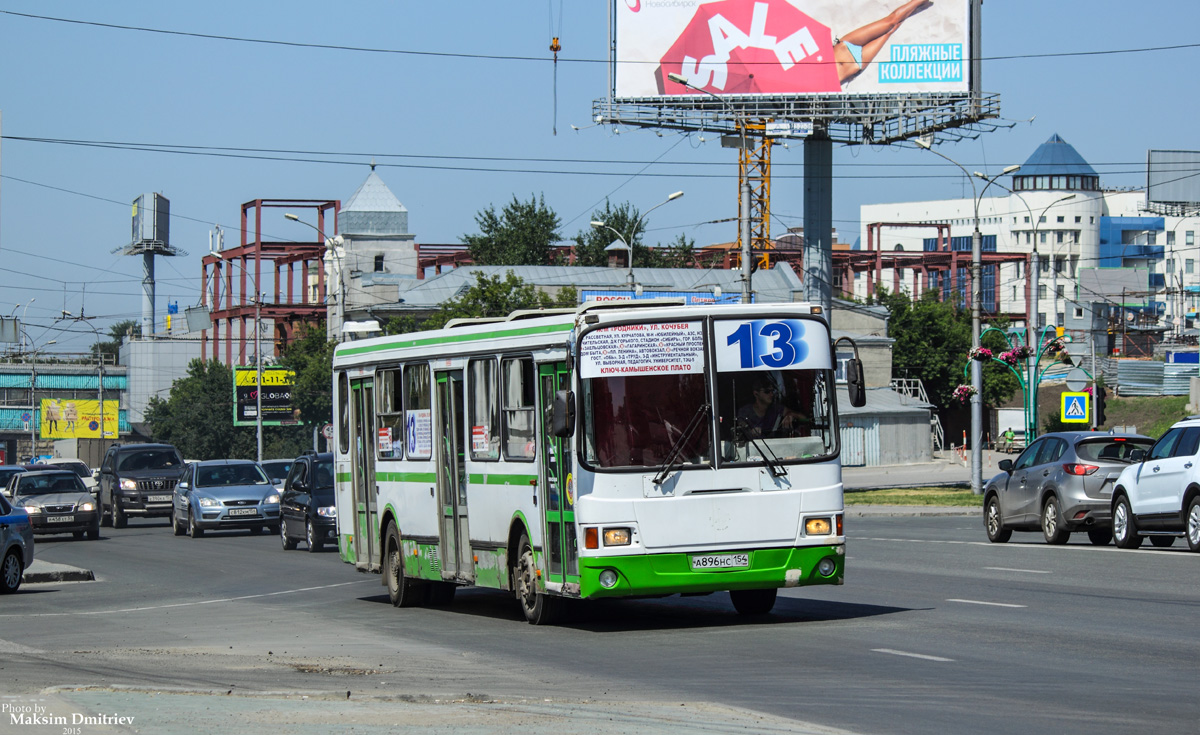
x=138 y=480
x=57 y=501
x=307 y=509
x=1062 y=482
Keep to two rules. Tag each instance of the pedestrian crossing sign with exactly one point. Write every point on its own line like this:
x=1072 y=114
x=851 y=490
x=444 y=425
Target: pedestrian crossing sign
x=1075 y=408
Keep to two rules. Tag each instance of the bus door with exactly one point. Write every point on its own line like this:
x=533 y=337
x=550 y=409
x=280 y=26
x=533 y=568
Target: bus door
x=558 y=484
x=451 y=476
x=362 y=470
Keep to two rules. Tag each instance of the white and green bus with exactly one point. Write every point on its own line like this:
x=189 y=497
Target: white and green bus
x=620 y=449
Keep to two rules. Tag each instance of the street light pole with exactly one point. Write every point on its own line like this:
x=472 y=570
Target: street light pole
x=743 y=181
x=258 y=422
x=633 y=234
x=33 y=414
x=99 y=367
x=976 y=298
x=331 y=244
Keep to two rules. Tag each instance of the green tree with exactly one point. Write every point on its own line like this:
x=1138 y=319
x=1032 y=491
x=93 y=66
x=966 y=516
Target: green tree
x=591 y=244
x=310 y=357
x=116 y=333
x=523 y=233
x=932 y=339
x=197 y=415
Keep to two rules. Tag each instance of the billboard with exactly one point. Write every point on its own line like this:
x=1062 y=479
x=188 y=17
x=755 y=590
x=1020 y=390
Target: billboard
x=1173 y=177
x=276 y=396
x=791 y=47
x=75 y=419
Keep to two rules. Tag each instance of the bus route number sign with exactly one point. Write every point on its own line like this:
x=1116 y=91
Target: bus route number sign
x=770 y=344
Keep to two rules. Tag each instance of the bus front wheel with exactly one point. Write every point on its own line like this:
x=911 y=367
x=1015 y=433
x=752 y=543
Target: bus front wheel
x=539 y=609
x=402 y=592
x=753 y=602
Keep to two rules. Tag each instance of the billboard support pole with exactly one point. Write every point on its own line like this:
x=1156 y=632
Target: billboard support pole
x=818 y=221
x=258 y=371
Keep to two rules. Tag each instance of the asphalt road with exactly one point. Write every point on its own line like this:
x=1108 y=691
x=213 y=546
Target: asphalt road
x=934 y=631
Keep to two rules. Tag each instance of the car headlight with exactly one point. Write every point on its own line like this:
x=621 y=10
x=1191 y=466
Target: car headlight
x=204 y=502
x=328 y=511
x=271 y=499
x=129 y=484
x=87 y=506
x=33 y=509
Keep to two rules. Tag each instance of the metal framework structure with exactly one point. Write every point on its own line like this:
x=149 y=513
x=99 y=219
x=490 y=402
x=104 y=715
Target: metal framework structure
x=287 y=310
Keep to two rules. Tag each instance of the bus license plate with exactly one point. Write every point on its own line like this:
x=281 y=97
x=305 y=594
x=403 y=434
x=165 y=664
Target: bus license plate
x=720 y=561
x=243 y=511
x=59 y=519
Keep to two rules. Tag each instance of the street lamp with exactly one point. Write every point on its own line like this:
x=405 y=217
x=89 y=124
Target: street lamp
x=99 y=365
x=331 y=244
x=258 y=424
x=633 y=234
x=33 y=423
x=744 y=180
x=976 y=298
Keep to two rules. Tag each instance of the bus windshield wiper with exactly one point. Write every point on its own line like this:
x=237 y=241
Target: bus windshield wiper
x=774 y=465
x=677 y=448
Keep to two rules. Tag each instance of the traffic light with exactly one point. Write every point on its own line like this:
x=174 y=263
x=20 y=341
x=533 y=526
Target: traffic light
x=1101 y=395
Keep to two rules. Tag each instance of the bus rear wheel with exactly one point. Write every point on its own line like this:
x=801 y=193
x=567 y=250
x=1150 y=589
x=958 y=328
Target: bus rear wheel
x=753 y=602
x=401 y=591
x=539 y=609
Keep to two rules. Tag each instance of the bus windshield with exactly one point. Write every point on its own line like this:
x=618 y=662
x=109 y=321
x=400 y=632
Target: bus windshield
x=775 y=414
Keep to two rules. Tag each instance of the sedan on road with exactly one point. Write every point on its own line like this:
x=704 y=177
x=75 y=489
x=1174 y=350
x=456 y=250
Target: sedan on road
x=307 y=507
x=224 y=493
x=57 y=501
x=16 y=545
x=1061 y=483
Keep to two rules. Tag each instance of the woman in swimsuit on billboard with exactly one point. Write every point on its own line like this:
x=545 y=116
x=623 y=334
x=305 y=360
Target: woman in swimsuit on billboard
x=856 y=49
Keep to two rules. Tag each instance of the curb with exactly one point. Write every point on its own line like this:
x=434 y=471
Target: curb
x=61 y=574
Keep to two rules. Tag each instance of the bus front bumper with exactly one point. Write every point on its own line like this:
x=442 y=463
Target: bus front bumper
x=667 y=574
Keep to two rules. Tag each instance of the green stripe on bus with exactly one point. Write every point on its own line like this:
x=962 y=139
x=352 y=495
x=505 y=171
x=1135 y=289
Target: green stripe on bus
x=502 y=479
x=665 y=574
x=454 y=338
x=406 y=476
x=343 y=477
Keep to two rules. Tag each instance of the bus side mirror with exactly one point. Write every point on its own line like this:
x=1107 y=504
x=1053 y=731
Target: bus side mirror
x=856 y=384
x=562 y=417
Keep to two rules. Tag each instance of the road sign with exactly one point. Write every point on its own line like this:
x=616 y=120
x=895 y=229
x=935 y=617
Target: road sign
x=1077 y=379
x=327 y=431
x=1075 y=408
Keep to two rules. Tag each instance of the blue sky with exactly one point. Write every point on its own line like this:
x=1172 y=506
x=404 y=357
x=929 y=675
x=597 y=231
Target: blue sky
x=64 y=208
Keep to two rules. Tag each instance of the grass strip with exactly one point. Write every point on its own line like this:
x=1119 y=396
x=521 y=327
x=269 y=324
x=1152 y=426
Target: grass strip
x=942 y=496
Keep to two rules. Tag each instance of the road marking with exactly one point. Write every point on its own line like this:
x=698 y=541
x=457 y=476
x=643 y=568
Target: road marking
x=1179 y=553
x=921 y=656
x=981 y=602
x=180 y=604
x=1023 y=571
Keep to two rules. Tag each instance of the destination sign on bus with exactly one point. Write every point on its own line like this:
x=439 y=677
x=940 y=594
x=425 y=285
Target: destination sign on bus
x=770 y=344
x=660 y=348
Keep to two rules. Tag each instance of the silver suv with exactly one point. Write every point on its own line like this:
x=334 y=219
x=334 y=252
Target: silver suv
x=1062 y=482
x=1159 y=496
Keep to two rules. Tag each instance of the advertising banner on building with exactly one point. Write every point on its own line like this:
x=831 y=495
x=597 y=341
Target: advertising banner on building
x=791 y=47
x=276 y=396
x=68 y=418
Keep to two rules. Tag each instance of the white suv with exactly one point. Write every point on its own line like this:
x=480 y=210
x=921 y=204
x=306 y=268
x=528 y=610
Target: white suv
x=1159 y=497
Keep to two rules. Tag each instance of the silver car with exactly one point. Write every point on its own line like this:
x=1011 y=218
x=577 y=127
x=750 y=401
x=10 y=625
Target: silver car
x=1061 y=483
x=16 y=545
x=57 y=501
x=224 y=493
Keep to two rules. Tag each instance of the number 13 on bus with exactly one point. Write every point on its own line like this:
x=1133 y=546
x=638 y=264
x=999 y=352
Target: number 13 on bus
x=619 y=449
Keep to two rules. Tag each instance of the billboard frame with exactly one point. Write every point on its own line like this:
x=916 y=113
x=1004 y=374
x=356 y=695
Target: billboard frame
x=252 y=371
x=851 y=118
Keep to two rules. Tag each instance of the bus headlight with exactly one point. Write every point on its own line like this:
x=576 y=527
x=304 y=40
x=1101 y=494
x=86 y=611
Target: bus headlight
x=818 y=527
x=826 y=567
x=617 y=537
x=608 y=579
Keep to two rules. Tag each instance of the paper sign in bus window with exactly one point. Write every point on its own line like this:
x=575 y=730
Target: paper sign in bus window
x=643 y=349
x=419 y=434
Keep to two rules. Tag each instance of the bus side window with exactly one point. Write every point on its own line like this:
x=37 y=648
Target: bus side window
x=343 y=413
x=389 y=391
x=418 y=413
x=517 y=392
x=484 y=420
